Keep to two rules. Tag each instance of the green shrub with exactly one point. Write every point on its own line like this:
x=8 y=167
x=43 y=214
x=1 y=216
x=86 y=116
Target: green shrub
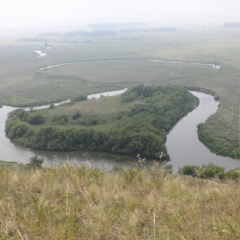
x=35 y=119
x=80 y=98
x=35 y=162
x=189 y=170
x=233 y=174
x=76 y=115
x=210 y=171
x=205 y=171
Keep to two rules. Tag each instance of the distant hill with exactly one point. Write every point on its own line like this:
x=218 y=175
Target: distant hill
x=117 y=25
x=100 y=32
x=232 y=25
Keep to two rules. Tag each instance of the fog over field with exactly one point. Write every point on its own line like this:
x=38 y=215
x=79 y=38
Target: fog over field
x=50 y=14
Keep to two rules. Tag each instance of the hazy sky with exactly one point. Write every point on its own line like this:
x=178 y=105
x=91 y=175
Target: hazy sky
x=21 y=13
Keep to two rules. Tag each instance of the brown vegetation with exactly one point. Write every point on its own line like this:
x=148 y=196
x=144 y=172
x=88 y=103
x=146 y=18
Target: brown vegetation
x=70 y=202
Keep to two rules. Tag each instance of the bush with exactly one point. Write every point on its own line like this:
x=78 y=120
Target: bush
x=76 y=115
x=205 y=171
x=61 y=119
x=35 y=119
x=233 y=174
x=189 y=170
x=80 y=98
x=210 y=171
x=35 y=162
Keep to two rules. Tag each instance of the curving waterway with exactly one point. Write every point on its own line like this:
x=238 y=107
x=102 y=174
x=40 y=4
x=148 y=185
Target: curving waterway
x=11 y=152
x=40 y=53
x=215 y=65
x=182 y=143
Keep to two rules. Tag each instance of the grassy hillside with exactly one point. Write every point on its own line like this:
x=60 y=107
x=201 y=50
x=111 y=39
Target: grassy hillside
x=72 y=202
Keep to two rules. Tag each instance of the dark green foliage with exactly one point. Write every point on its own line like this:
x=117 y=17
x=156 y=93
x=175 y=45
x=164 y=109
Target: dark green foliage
x=20 y=113
x=16 y=129
x=189 y=170
x=119 y=115
x=142 y=129
x=61 y=119
x=210 y=171
x=90 y=120
x=80 y=98
x=76 y=115
x=139 y=91
x=35 y=119
x=35 y=162
x=218 y=144
x=233 y=174
x=205 y=171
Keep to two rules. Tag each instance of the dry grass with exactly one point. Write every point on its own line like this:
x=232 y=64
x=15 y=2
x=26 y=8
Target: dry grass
x=72 y=202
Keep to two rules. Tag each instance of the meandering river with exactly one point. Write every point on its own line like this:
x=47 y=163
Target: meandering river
x=182 y=143
x=215 y=65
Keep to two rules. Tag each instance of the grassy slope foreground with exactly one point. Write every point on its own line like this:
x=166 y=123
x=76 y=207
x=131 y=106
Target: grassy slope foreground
x=136 y=122
x=72 y=202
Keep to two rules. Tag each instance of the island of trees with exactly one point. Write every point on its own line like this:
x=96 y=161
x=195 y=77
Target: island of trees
x=137 y=122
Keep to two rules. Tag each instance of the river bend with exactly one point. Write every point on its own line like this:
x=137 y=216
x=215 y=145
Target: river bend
x=182 y=143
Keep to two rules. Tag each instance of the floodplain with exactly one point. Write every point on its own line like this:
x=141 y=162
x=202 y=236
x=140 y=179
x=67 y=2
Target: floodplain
x=98 y=64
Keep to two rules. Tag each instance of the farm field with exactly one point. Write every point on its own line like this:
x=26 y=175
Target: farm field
x=121 y=61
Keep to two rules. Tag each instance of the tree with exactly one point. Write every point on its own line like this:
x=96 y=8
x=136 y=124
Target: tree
x=76 y=115
x=36 y=162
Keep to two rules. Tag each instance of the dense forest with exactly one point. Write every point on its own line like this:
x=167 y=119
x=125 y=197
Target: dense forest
x=141 y=129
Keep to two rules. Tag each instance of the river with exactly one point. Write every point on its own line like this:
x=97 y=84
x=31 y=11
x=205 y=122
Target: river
x=182 y=143
x=215 y=65
x=40 y=53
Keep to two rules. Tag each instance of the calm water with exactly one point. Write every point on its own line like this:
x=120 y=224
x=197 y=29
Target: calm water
x=182 y=142
x=183 y=145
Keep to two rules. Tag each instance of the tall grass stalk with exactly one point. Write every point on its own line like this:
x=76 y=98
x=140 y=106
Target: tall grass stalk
x=70 y=202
